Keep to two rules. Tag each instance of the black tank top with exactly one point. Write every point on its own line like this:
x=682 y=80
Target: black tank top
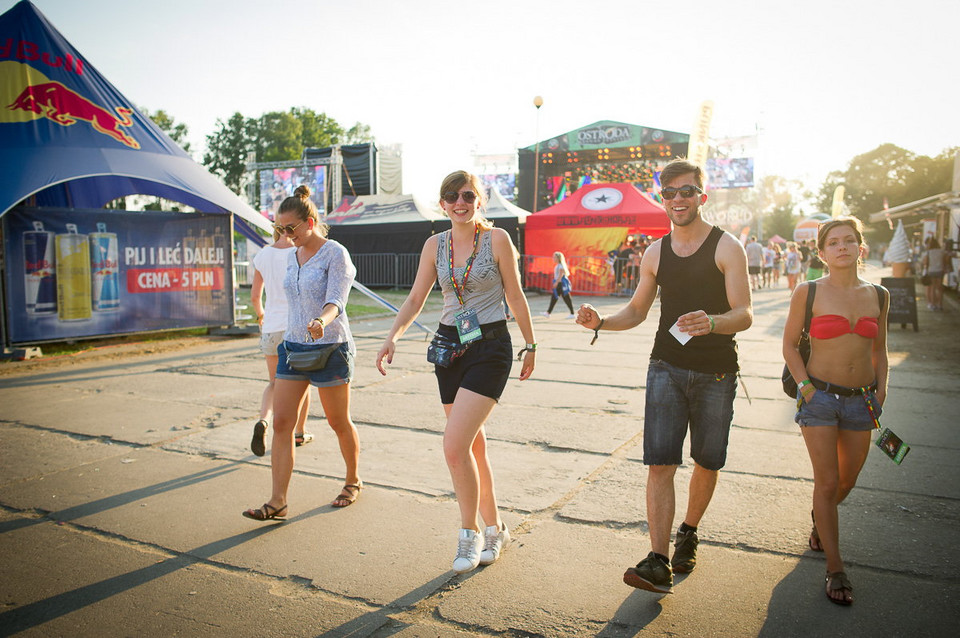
x=688 y=284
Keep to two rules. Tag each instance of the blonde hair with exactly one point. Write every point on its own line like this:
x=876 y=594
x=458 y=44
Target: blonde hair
x=457 y=180
x=560 y=259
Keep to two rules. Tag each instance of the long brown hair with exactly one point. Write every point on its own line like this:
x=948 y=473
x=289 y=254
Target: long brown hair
x=300 y=205
x=458 y=179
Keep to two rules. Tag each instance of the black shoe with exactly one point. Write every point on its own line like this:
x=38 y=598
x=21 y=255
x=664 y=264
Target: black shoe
x=685 y=552
x=257 y=444
x=651 y=574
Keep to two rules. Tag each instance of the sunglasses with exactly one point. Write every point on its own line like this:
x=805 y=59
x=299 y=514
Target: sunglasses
x=685 y=191
x=289 y=229
x=468 y=197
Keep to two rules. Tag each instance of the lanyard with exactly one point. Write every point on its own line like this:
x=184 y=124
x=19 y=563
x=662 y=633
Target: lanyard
x=873 y=412
x=459 y=289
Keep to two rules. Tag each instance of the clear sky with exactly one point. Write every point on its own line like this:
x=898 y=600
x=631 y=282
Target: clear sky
x=822 y=80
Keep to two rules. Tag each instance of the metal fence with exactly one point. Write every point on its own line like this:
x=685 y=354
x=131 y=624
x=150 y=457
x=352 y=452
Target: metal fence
x=588 y=275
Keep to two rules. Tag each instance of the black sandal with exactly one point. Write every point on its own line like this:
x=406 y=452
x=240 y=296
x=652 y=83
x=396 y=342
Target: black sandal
x=266 y=513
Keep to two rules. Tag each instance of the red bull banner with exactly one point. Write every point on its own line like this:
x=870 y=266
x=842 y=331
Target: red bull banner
x=74 y=274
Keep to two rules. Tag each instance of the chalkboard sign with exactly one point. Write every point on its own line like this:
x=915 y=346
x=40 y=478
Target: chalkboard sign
x=903 y=301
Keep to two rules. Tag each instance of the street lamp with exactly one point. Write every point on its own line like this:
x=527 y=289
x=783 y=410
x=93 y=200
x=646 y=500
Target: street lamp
x=537 y=102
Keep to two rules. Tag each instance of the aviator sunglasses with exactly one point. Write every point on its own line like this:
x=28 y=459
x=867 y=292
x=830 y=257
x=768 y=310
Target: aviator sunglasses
x=468 y=197
x=289 y=229
x=685 y=191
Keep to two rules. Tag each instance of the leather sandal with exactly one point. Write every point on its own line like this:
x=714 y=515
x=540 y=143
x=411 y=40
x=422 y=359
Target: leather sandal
x=838 y=581
x=814 y=540
x=266 y=512
x=302 y=438
x=348 y=495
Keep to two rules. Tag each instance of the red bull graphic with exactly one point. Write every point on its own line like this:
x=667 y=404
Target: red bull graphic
x=64 y=106
x=26 y=50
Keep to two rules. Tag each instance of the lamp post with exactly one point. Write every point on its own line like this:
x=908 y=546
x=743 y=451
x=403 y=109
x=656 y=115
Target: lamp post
x=537 y=102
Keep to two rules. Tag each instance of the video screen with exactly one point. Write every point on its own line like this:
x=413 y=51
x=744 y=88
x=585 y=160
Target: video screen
x=735 y=172
x=279 y=183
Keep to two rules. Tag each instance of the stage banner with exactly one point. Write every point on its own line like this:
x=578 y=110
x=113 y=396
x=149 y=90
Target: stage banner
x=85 y=273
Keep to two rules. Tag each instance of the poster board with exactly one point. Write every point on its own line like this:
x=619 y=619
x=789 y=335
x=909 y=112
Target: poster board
x=72 y=274
x=903 y=301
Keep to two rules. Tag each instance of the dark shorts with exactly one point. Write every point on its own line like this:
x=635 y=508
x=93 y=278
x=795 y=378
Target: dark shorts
x=338 y=371
x=676 y=398
x=845 y=413
x=484 y=368
x=753 y=270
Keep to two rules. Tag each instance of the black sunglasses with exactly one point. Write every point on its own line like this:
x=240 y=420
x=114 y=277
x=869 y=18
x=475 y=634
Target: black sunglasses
x=289 y=229
x=468 y=196
x=685 y=191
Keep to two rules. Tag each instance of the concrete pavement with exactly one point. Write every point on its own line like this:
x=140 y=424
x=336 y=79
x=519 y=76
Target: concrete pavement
x=122 y=484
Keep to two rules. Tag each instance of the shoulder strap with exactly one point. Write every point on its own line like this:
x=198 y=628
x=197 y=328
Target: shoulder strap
x=881 y=295
x=808 y=315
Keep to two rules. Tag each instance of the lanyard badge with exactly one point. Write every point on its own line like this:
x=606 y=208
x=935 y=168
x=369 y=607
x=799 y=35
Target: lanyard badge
x=468 y=322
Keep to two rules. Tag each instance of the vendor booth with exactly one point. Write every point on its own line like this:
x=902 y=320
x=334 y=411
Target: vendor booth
x=71 y=143
x=384 y=235
x=589 y=224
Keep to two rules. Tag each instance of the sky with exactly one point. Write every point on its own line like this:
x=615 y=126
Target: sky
x=819 y=81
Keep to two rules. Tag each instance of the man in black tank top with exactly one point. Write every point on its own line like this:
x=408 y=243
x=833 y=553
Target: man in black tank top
x=691 y=381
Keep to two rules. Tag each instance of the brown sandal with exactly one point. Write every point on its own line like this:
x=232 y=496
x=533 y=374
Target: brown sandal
x=814 y=539
x=348 y=494
x=838 y=581
x=266 y=512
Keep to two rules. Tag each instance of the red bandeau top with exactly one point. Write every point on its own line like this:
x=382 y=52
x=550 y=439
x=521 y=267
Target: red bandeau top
x=830 y=326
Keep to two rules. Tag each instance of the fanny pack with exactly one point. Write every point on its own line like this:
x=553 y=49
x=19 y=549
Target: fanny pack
x=443 y=351
x=310 y=360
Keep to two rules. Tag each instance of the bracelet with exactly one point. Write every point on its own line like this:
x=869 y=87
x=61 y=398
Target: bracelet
x=713 y=324
x=323 y=324
x=804 y=382
x=596 y=331
x=530 y=347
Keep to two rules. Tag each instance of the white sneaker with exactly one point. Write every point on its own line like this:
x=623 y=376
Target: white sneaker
x=571 y=316
x=468 y=551
x=493 y=541
x=545 y=314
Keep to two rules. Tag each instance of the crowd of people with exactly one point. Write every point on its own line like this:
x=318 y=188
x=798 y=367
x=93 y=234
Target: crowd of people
x=703 y=277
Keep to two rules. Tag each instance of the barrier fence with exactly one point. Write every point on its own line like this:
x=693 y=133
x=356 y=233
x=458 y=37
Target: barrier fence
x=588 y=275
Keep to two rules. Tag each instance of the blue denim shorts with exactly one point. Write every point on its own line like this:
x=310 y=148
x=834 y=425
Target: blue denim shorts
x=677 y=398
x=845 y=413
x=338 y=371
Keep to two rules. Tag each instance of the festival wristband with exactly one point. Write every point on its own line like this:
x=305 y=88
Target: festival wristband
x=713 y=324
x=530 y=347
x=596 y=331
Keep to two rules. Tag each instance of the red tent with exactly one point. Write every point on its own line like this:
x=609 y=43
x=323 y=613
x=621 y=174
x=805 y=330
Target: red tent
x=589 y=224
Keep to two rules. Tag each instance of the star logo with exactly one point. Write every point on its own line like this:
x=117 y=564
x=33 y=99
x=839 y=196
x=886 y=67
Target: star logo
x=602 y=199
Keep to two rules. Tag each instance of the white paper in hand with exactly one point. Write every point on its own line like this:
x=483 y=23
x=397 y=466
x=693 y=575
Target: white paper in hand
x=682 y=337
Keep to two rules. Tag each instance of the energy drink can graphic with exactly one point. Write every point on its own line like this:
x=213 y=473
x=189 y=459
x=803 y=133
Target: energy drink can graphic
x=104 y=269
x=73 y=275
x=39 y=271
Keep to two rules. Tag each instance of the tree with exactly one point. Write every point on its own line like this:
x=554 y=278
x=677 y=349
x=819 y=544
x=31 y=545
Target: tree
x=889 y=173
x=177 y=132
x=227 y=149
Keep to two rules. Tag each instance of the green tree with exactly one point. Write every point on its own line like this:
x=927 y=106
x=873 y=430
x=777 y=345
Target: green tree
x=227 y=149
x=358 y=134
x=319 y=130
x=177 y=131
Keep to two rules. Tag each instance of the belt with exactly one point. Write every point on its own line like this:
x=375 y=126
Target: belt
x=843 y=391
x=496 y=332
x=490 y=332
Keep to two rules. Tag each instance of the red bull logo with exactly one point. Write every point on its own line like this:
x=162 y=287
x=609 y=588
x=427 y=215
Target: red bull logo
x=65 y=107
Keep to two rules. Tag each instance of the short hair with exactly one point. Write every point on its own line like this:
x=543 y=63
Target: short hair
x=826 y=227
x=681 y=166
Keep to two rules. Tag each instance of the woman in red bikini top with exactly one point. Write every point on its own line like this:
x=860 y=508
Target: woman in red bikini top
x=843 y=385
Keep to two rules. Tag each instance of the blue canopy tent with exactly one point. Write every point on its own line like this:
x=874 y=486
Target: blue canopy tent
x=70 y=142
x=70 y=139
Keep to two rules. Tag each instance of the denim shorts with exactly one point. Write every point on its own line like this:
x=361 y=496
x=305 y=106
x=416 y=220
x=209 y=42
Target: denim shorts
x=338 y=371
x=676 y=398
x=269 y=342
x=845 y=413
x=484 y=368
